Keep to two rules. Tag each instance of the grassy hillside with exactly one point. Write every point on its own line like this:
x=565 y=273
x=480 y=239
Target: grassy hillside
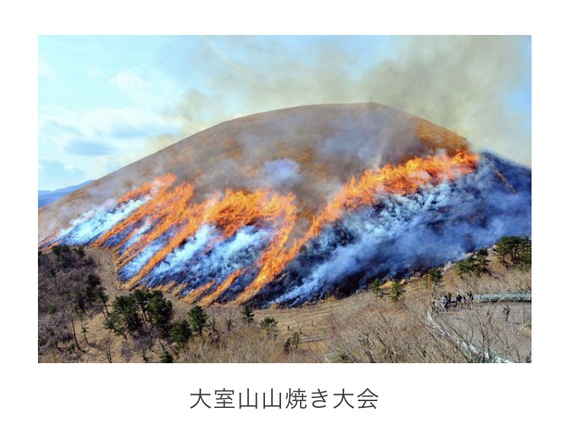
x=234 y=154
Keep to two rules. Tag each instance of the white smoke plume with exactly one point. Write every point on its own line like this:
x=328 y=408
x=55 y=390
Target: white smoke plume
x=279 y=173
x=405 y=234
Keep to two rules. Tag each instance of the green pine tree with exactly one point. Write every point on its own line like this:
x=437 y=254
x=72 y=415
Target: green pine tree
x=247 y=315
x=198 y=319
x=397 y=290
x=376 y=288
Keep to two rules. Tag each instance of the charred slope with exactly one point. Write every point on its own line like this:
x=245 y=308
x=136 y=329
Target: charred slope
x=402 y=235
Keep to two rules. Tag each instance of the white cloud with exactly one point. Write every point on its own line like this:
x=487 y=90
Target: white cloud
x=130 y=83
x=119 y=136
x=110 y=125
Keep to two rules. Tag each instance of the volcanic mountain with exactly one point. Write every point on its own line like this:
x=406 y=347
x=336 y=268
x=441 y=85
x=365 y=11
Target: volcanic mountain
x=293 y=205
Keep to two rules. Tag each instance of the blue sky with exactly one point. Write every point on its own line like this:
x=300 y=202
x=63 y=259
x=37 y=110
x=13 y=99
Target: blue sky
x=106 y=101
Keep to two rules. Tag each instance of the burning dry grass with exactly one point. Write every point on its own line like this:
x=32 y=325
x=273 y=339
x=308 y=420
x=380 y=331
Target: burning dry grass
x=295 y=205
x=158 y=219
x=288 y=207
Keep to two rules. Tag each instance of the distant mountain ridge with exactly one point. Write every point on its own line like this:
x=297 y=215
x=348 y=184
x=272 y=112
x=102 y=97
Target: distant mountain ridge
x=44 y=197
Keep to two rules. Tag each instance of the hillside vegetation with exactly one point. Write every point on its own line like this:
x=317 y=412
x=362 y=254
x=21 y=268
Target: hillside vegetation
x=84 y=317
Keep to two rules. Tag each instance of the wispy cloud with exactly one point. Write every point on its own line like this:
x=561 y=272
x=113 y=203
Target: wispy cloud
x=109 y=137
x=225 y=59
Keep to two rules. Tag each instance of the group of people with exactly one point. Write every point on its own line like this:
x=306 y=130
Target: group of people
x=446 y=301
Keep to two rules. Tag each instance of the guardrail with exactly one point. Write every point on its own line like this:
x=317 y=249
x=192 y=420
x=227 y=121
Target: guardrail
x=505 y=297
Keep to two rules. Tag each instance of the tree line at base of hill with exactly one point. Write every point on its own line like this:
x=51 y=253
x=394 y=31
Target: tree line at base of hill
x=71 y=296
x=77 y=321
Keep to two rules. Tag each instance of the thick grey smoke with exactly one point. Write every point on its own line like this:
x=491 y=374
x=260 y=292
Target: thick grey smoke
x=370 y=138
x=477 y=86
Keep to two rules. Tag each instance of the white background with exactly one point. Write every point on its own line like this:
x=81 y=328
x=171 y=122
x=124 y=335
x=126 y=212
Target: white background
x=158 y=396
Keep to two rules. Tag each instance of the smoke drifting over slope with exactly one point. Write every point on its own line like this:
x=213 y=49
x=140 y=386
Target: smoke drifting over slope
x=476 y=86
x=297 y=204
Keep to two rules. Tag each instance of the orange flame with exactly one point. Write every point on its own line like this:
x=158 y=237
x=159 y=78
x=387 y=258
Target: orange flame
x=207 y=300
x=158 y=188
x=194 y=295
x=175 y=217
x=401 y=179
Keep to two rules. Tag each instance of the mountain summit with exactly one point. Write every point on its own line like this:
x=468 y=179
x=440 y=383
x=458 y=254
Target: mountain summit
x=309 y=150
x=292 y=205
